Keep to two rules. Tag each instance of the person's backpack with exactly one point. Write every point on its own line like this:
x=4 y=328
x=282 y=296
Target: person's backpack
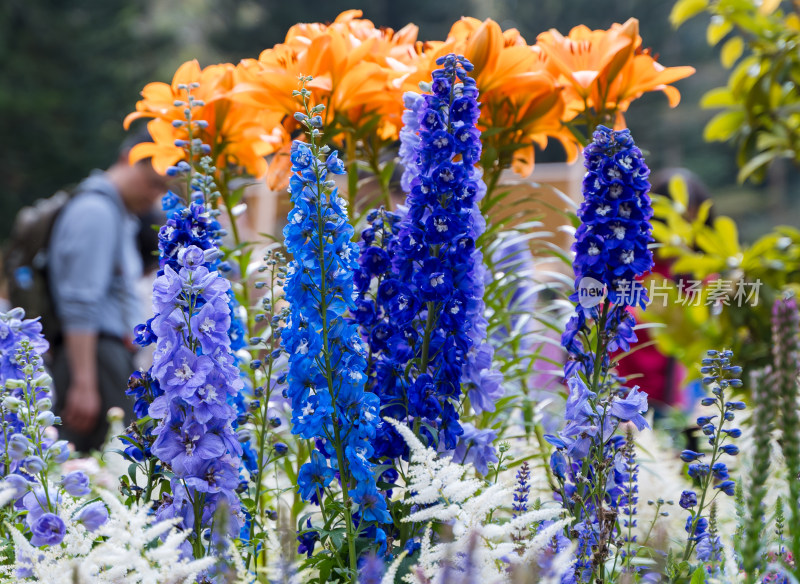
x=25 y=261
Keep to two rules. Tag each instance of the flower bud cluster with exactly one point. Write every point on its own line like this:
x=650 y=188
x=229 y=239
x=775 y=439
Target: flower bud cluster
x=719 y=376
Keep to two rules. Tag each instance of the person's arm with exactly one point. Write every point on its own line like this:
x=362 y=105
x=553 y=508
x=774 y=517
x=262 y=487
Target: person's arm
x=83 y=403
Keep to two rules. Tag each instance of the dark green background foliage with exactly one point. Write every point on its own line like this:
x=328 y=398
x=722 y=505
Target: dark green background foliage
x=72 y=70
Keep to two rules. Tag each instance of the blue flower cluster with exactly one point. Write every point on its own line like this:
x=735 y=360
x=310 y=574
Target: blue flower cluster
x=143 y=389
x=196 y=370
x=22 y=345
x=192 y=226
x=28 y=453
x=720 y=375
x=327 y=358
x=611 y=244
x=590 y=457
x=592 y=421
x=421 y=278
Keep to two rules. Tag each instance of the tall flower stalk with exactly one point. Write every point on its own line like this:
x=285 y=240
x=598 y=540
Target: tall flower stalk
x=763 y=420
x=421 y=280
x=30 y=457
x=611 y=254
x=786 y=358
x=327 y=358
x=711 y=474
x=193 y=388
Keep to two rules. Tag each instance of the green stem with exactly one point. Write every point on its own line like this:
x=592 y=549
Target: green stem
x=323 y=310
x=426 y=339
x=151 y=468
x=376 y=169
x=352 y=173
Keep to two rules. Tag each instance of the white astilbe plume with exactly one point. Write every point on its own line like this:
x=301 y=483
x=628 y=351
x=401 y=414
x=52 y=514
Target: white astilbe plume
x=391 y=571
x=125 y=557
x=481 y=546
x=7 y=494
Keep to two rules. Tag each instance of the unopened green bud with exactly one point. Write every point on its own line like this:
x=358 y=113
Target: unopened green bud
x=46 y=418
x=44 y=380
x=11 y=403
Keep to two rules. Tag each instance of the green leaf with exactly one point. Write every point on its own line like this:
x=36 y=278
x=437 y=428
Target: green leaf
x=723 y=126
x=717 y=29
x=718 y=97
x=699 y=575
x=679 y=191
x=386 y=173
x=755 y=163
x=731 y=51
x=686 y=9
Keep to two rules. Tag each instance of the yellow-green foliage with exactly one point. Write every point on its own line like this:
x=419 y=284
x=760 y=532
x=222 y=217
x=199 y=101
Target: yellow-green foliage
x=760 y=43
x=710 y=251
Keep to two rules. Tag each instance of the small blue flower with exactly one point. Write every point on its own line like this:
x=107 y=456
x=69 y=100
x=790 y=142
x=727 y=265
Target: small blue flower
x=720 y=470
x=93 y=515
x=690 y=455
x=371 y=504
x=76 y=483
x=728 y=487
x=314 y=476
x=308 y=539
x=475 y=446
x=688 y=499
x=630 y=408
x=48 y=529
x=558 y=464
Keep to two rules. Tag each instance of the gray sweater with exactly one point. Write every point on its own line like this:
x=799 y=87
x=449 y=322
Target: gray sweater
x=93 y=261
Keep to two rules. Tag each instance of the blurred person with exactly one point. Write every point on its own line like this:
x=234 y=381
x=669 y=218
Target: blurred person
x=94 y=266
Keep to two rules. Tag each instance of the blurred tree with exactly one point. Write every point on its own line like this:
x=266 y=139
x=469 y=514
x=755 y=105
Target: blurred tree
x=71 y=71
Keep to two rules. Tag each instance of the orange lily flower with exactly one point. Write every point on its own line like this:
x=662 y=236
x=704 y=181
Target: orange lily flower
x=355 y=69
x=604 y=70
x=236 y=133
x=521 y=100
x=643 y=74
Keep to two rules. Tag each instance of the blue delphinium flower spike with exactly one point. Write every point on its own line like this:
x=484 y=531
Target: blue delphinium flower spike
x=421 y=277
x=327 y=358
x=611 y=244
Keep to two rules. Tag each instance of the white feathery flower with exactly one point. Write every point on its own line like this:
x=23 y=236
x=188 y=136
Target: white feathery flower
x=391 y=571
x=121 y=551
x=484 y=547
x=539 y=543
x=7 y=494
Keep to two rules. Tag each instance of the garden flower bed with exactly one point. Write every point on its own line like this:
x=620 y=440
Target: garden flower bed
x=418 y=381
